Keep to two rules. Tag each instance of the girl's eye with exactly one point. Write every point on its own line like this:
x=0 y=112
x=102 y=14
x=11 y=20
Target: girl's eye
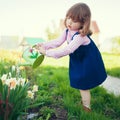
x=68 y=18
x=72 y=19
x=75 y=21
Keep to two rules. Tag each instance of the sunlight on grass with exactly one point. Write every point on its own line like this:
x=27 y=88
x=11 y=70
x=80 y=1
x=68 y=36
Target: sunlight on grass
x=62 y=62
x=11 y=55
x=111 y=60
x=112 y=64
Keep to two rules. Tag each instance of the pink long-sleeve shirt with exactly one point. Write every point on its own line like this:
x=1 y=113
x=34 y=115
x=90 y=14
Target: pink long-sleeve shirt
x=69 y=48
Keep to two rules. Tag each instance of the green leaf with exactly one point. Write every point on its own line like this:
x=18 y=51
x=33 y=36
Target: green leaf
x=1 y=87
x=34 y=105
x=38 y=61
x=32 y=56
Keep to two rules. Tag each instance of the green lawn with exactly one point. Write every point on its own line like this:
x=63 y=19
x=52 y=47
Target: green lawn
x=111 y=61
x=59 y=101
x=55 y=92
x=112 y=64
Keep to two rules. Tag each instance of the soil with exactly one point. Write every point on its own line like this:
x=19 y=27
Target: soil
x=59 y=112
x=55 y=109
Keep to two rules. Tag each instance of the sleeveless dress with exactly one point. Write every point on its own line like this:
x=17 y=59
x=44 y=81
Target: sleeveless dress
x=86 y=67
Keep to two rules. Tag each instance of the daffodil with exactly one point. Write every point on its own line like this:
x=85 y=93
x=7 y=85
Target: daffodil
x=21 y=81
x=12 y=83
x=35 y=88
x=3 y=78
x=30 y=94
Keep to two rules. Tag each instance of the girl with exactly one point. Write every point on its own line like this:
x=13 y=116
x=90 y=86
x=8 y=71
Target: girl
x=86 y=67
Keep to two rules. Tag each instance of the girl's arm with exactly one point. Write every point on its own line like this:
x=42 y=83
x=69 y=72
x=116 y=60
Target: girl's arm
x=70 y=48
x=55 y=43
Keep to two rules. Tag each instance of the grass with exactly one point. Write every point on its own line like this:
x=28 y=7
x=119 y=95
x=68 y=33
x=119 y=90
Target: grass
x=58 y=99
x=56 y=87
x=112 y=64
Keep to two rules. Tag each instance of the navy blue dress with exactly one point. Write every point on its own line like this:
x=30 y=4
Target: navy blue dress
x=86 y=67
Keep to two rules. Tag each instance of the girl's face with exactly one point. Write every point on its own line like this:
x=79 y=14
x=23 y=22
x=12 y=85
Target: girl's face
x=72 y=24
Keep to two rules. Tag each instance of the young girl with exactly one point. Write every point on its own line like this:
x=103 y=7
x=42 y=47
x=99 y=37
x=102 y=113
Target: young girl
x=86 y=67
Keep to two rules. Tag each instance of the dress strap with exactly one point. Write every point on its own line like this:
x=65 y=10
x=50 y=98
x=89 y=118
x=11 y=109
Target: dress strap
x=66 y=33
x=73 y=35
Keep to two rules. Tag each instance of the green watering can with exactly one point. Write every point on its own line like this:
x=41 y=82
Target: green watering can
x=31 y=56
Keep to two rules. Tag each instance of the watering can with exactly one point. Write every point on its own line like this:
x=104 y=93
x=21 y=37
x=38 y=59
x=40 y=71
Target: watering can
x=31 y=56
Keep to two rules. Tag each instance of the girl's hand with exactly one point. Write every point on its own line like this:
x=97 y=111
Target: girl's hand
x=38 y=45
x=42 y=50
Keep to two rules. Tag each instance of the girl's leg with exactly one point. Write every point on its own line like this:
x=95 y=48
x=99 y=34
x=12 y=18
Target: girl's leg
x=86 y=97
